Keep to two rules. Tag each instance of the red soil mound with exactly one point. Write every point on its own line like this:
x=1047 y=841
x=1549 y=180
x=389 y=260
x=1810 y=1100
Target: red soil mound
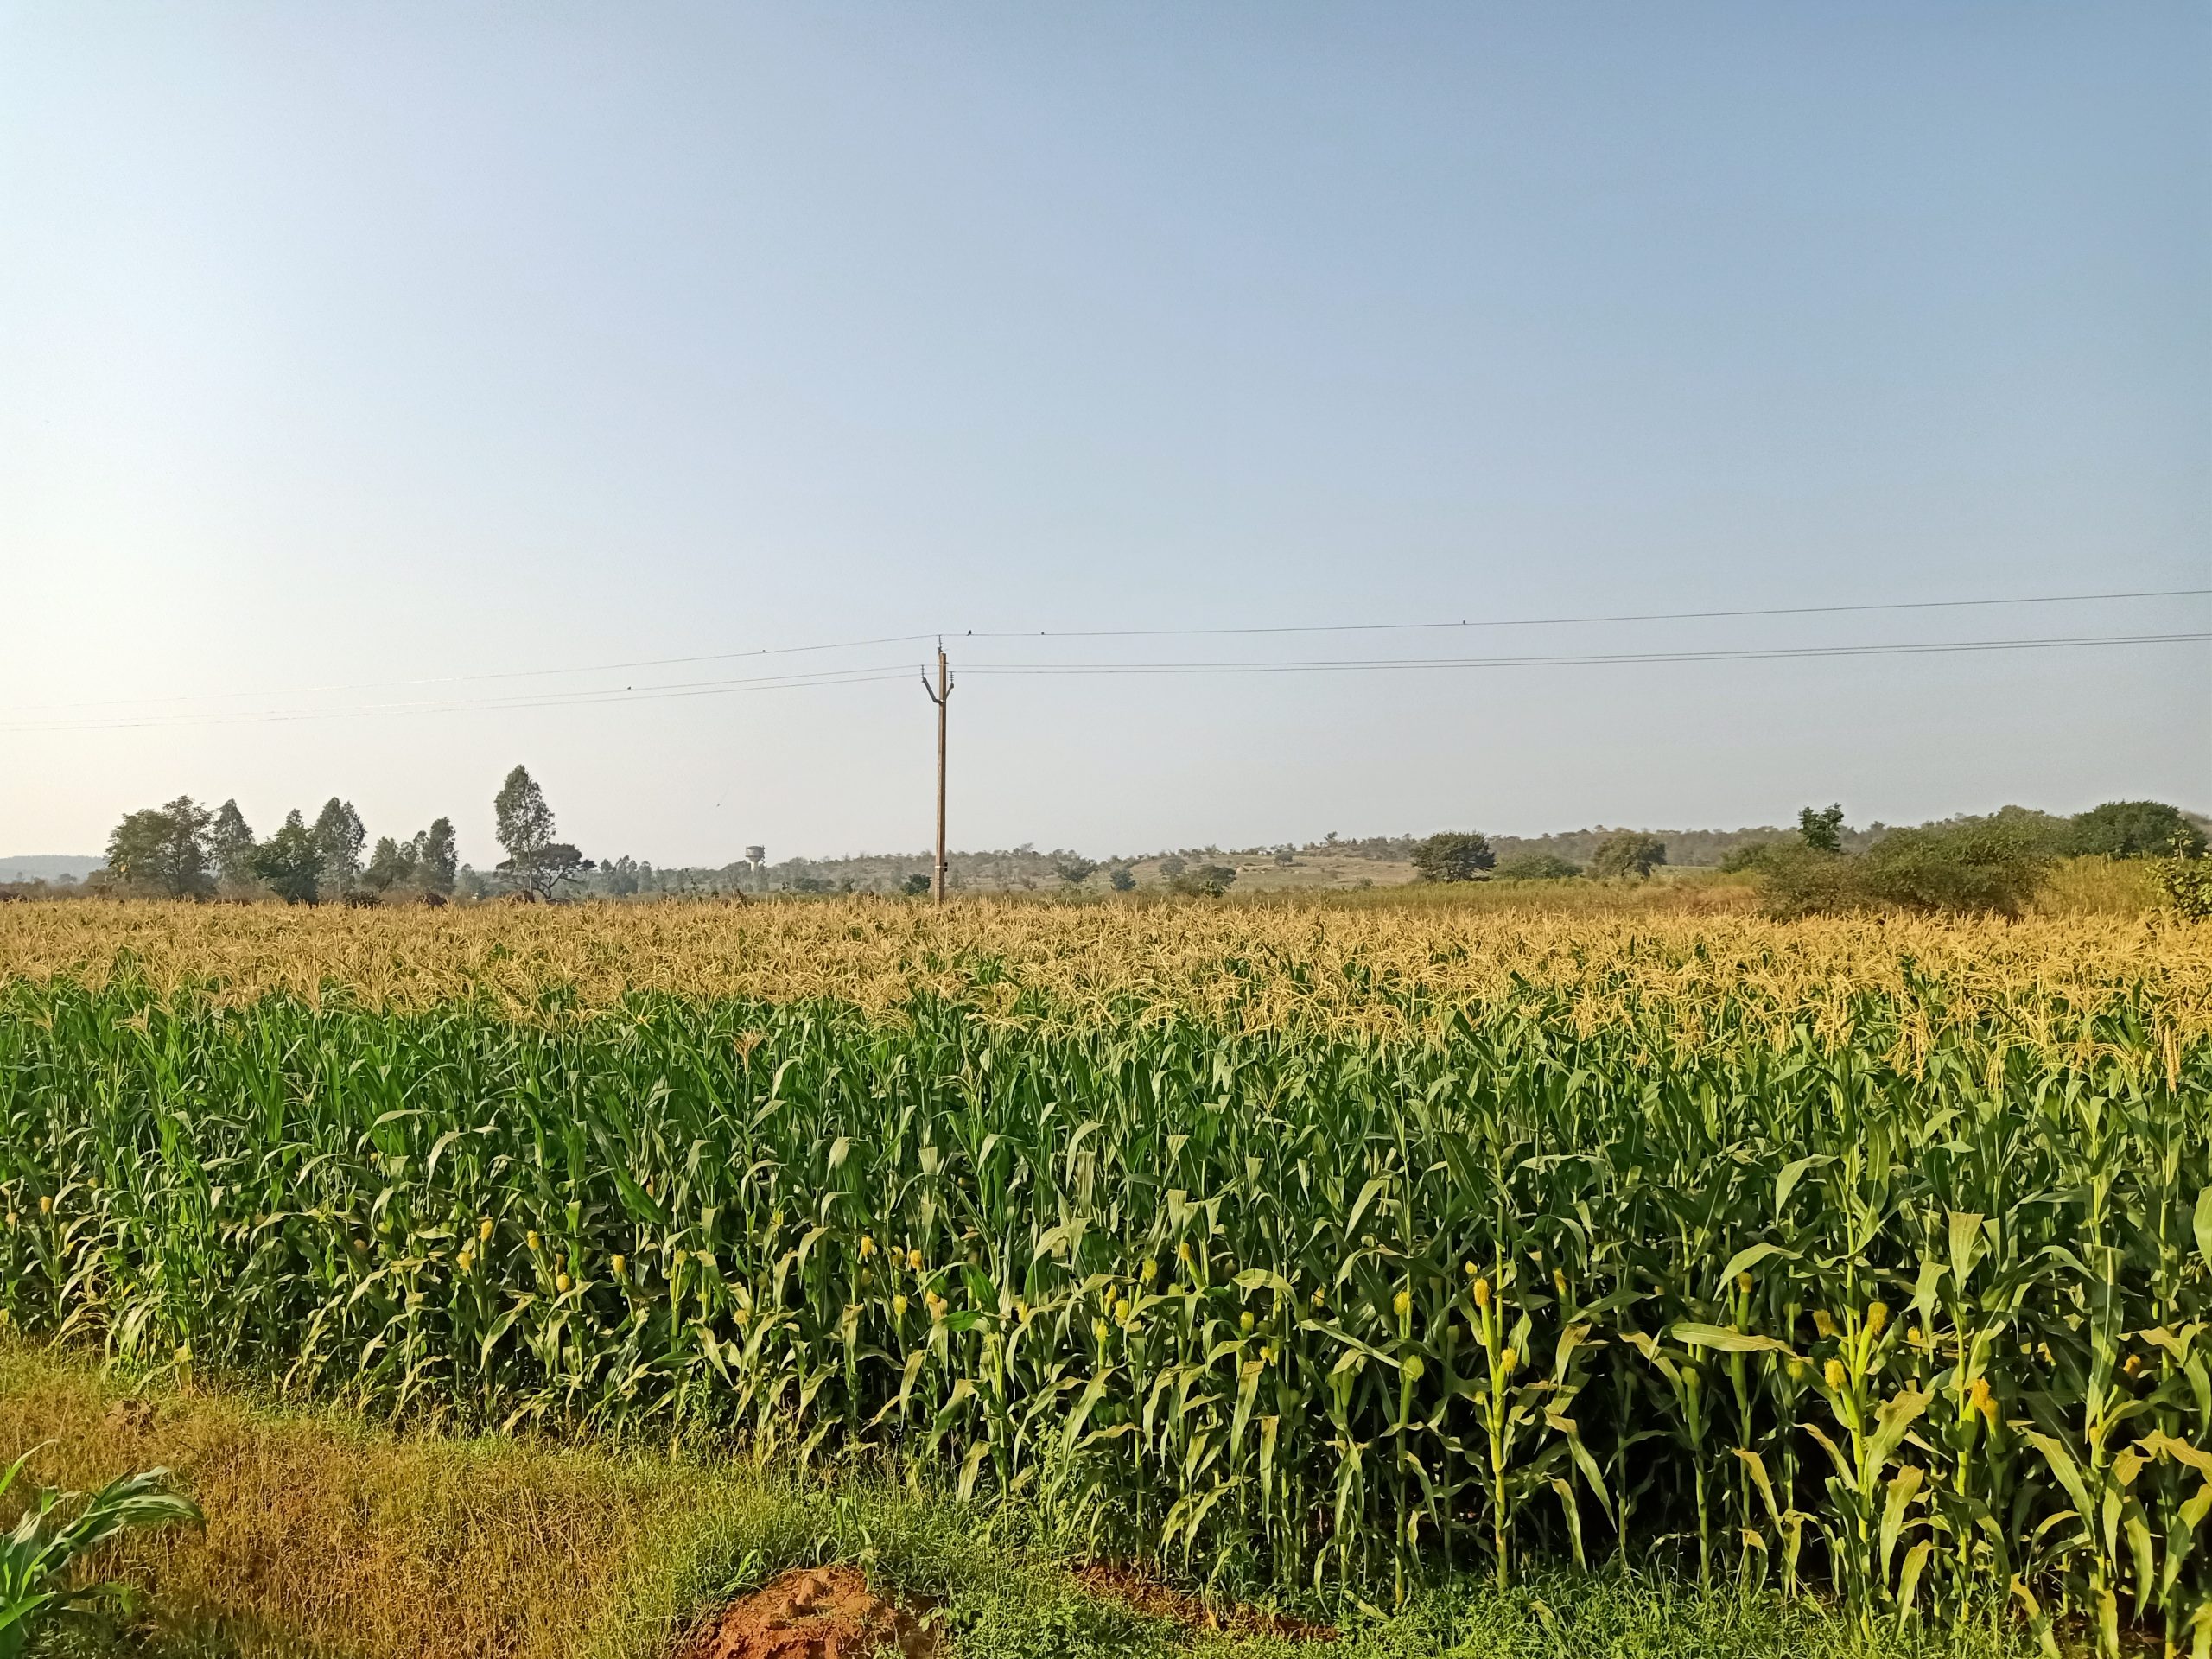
x=827 y=1613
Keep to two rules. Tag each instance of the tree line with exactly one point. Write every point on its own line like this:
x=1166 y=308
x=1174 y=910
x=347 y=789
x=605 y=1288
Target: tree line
x=1994 y=862
x=1465 y=855
x=184 y=850
x=1991 y=863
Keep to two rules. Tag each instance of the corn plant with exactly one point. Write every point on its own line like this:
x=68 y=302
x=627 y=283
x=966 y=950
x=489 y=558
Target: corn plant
x=1337 y=1253
x=56 y=1529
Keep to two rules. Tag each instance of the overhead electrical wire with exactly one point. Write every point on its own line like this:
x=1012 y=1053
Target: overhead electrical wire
x=173 y=699
x=548 y=700
x=1576 y=621
x=886 y=672
x=504 y=674
x=1591 y=658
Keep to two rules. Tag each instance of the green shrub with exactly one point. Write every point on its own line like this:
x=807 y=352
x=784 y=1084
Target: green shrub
x=1202 y=881
x=1455 y=855
x=1538 y=867
x=2045 y=833
x=1964 y=868
x=1754 y=855
x=2188 y=886
x=2136 y=829
x=1799 y=880
x=1627 y=853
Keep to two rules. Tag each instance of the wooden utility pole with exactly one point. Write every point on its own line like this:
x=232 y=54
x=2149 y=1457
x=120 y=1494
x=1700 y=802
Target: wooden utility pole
x=940 y=693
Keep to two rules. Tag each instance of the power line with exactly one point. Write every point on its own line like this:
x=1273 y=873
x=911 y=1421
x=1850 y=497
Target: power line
x=506 y=674
x=880 y=673
x=549 y=700
x=1568 y=621
x=1116 y=634
x=1778 y=653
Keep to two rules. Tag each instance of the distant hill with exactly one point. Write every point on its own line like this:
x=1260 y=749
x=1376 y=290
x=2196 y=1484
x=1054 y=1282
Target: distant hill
x=1337 y=861
x=1368 y=862
x=47 y=866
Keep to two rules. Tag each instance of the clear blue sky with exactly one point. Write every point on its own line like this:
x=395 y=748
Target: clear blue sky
x=341 y=346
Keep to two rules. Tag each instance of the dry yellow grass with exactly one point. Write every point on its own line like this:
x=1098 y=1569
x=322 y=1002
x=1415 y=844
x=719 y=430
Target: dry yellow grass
x=1379 y=968
x=2101 y=887
x=329 y=1537
x=324 y=1537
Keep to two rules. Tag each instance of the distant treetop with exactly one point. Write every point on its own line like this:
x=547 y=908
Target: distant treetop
x=1454 y=855
x=1627 y=853
x=2137 y=829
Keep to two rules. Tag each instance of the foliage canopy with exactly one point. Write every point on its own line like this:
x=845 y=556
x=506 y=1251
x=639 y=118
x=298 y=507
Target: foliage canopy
x=164 y=850
x=1627 y=853
x=1454 y=855
x=2137 y=829
x=1537 y=866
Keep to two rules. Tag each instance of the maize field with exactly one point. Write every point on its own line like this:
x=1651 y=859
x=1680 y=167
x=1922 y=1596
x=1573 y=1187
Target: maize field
x=1331 y=1248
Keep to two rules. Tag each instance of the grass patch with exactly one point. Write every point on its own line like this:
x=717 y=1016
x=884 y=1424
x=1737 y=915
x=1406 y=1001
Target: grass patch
x=329 y=1538
x=324 y=1536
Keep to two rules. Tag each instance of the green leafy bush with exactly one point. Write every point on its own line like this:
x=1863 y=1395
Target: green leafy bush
x=2188 y=886
x=1977 y=867
x=1455 y=855
x=1538 y=867
x=1963 y=868
x=1627 y=853
x=2136 y=829
x=1800 y=881
x=1202 y=881
x=1754 y=855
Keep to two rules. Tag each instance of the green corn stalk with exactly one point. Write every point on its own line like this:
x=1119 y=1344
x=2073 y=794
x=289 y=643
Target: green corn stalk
x=1147 y=1261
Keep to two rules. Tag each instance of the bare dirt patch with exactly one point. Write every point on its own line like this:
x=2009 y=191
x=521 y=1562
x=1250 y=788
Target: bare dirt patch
x=825 y=1613
x=1156 y=1600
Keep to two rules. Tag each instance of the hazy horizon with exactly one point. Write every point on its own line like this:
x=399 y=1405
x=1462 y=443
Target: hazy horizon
x=355 y=367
